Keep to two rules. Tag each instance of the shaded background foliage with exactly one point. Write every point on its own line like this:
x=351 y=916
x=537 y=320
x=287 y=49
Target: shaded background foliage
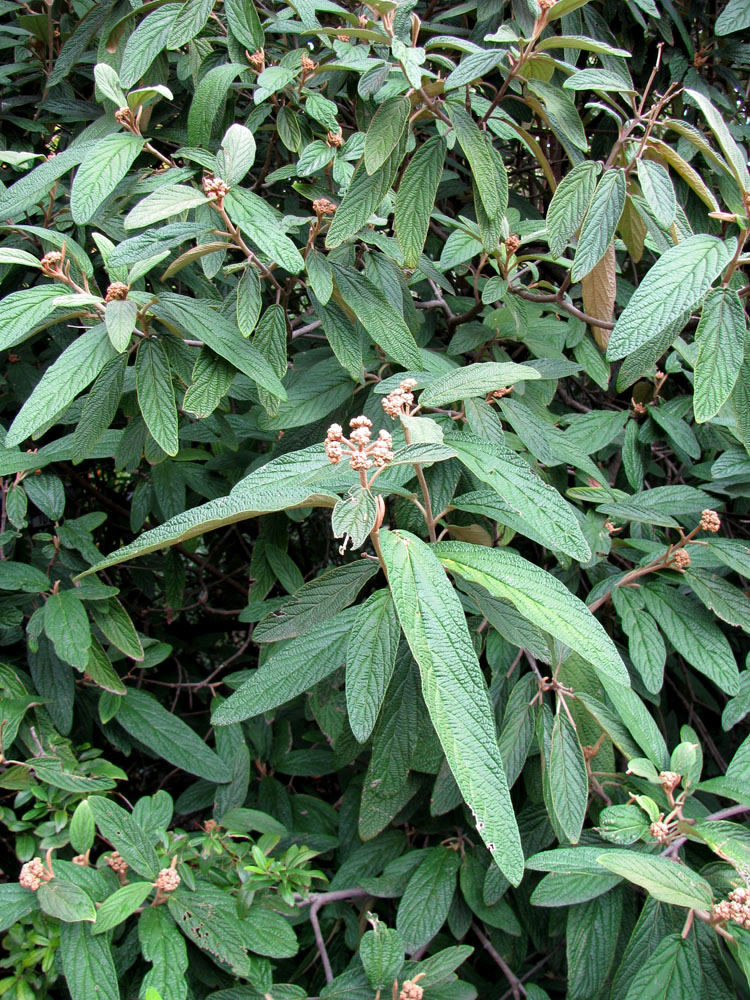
x=246 y=336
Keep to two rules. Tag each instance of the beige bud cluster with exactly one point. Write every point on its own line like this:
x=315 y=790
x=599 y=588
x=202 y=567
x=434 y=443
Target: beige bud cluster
x=669 y=780
x=117 y=863
x=638 y=408
x=33 y=873
x=308 y=64
x=214 y=187
x=399 y=401
x=82 y=860
x=735 y=909
x=362 y=452
x=167 y=880
x=411 y=990
x=335 y=139
x=322 y=206
x=258 y=60
x=117 y=291
x=512 y=244
x=681 y=559
x=710 y=521
x=124 y=117
x=50 y=262
x=659 y=831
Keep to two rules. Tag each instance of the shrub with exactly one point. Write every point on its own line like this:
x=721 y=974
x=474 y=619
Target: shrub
x=374 y=545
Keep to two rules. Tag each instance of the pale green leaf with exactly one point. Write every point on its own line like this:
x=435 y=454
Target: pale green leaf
x=662 y=878
x=100 y=173
x=370 y=659
x=720 y=338
x=600 y=223
x=156 y=394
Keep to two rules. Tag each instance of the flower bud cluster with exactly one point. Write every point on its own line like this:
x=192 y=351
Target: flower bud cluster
x=124 y=117
x=308 y=64
x=669 y=780
x=710 y=521
x=512 y=244
x=322 y=206
x=411 y=990
x=681 y=559
x=51 y=263
x=399 y=401
x=258 y=60
x=117 y=291
x=659 y=831
x=33 y=874
x=736 y=908
x=117 y=863
x=335 y=139
x=167 y=880
x=362 y=452
x=214 y=187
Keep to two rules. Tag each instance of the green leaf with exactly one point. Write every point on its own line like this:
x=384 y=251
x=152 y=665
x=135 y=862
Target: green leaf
x=189 y=22
x=292 y=668
x=354 y=517
x=263 y=225
x=156 y=394
x=163 y=946
x=114 y=621
x=169 y=737
x=317 y=600
x=100 y=173
x=66 y=624
x=734 y=17
x=108 y=82
x=221 y=335
x=477 y=152
x=16 y=902
x=125 y=835
x=645 y=642
x=667 y=880
x=566 y=779
x=720 y=339
x=602 y=80
x=599 y=225
x=569 y=205
x=87 y=963
x=694 y=634
x=735 y=157
x=208 y=102
x=623 y=824
x=20 y=576
x=212 y=377
x=146 y=42
x=82 y=828
x=725 y=600
x=166 y=201
x=591 y=939
x=540 y=597
x=120 y=905
x=385 y=131
x=363 y=196
x=395 y=737
x=77 y=366
x=36 y=185
x=266 y=932
x=671 y=972
x=517 y=730
x=384 y=325
x=524 y=501
x=208 y=917
x=658 y=191
x=675 y=284
x=416 y=197
x=454 y=691
x=68 y=902
x=382 y=954
x=475 y=380
x=120 y=316
x=427 y=899
x=244 y=23
x=370 y=659
x=25 y=310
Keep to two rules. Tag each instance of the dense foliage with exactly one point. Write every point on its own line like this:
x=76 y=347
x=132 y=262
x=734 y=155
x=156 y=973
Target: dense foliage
x=375 y=535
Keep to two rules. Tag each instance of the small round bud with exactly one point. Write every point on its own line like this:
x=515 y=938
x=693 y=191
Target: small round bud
x=308 y=64
x=659 y=831
x=82 y=860
x=214 y=187
x=335 y=433
x=124 y=116
x=343 y=38
x=33 y=873
x=638 y=408
x=411 y=990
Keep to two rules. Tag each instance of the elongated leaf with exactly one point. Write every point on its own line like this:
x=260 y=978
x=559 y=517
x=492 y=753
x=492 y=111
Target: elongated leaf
x=667 y=880
x=729 y=147
x=523 y=500
x=427 y=899
x=66 y=901
x=475 y=380
x=120 y=905
x=540 y=597
x=383 y=324
x=569 y=205
x=209 y=99
x=244 y=23
x=25 y=309
x=146 y=42
x=166 y=201
x=453 y=688
x=77 y=366
x=694 y=634
x=416 y=198
x=478 y=154
x=720 y=338
x=600 y=223
x=208 y=918
x=169 y=737
x=66 y=624
x=163 y=946
x=267 y=933
x=658 y=191
x=370 y=659
x=566 y=779
x=125 y=835
x=670 y=973
x=262 y=224
x=87 y=963
x=156 y=394
x=296 y=667
x=364 y=194
x=100 y=173
x=675 y=284
x=38 y=183
x=385 y=131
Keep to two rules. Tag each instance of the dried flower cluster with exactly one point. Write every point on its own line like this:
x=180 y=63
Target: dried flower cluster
x=258 y=60
x=214 y=187
x=117 y=863
x=399 y=401
x=736 y=908
x=335 y=139
x=118 y=290
x=363 y=453
x=410 y=990
x=710 y=521
x=681 y=559
x=322 y=206
x=33 y=873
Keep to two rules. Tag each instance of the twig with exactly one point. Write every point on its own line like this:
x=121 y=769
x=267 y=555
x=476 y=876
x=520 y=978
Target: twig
x=516 y=986
x=316 y=900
